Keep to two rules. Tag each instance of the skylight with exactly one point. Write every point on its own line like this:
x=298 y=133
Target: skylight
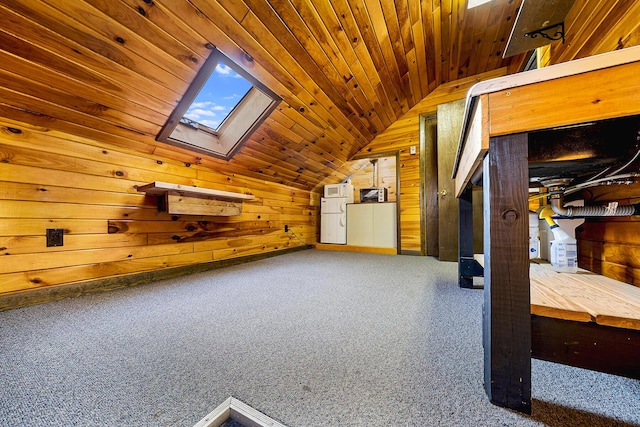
x=220 y=110
x=474 y=3
x=219 y=96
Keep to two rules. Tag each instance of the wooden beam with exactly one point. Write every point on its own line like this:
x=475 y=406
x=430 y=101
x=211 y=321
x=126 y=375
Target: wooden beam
x=507 y=319
x=597 y=95
x=586 y=345
x=465 y=237
x=470 y=155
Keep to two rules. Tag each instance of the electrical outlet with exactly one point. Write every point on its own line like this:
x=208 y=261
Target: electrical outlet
x=286 y=228
x=55 y=237
x=412 y=149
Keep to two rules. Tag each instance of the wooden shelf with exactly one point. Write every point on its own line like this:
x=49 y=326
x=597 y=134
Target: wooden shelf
x=190 y=200
x=159 y=188
x=582 y=296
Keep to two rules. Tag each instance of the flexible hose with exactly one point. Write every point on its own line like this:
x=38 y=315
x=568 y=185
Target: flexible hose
x=611 y=210
x=623 y=167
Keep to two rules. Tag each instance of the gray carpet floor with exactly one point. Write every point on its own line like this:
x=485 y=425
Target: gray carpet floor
x=312 y=338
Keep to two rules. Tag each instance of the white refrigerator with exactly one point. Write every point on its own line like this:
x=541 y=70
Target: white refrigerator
x=333 y=220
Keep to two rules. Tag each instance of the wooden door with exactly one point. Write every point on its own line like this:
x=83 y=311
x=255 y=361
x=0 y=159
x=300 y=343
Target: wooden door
x=449 y=126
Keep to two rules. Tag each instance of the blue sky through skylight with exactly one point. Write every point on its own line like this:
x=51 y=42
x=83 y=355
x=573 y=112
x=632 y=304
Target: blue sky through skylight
x=219 y=95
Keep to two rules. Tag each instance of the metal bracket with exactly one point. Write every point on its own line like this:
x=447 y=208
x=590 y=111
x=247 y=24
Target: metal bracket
x=558 y=35
x=470 y=267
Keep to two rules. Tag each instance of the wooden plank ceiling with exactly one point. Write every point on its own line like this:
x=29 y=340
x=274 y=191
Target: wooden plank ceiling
x=113 y=70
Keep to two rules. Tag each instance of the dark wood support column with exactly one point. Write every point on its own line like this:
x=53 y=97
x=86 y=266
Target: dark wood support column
x=468 y=267
x=506 y=314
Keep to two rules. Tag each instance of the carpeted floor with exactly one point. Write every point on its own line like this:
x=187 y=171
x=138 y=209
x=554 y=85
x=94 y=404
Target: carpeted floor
x=312 y=338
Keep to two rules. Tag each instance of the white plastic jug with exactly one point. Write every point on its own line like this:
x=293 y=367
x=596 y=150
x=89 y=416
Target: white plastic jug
x=563 y=251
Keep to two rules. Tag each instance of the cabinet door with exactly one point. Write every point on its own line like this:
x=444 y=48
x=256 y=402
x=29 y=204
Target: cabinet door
x=360 y=224
x=384 y=225
x=327 y=228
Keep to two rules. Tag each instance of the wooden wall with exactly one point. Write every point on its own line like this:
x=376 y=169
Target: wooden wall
x=607 y=246
x=611 y=246
x=405 y=133
x=345 y=70
x=53 y=179
x=595 y=26
x=362 y=176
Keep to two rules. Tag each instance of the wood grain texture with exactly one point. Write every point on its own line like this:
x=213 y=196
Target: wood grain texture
x=400 y=136
x=586 y=345
x=608 y=302
x=449 y=118
x=611 y=248
x=85 y=87
x=347 y=70
x=507 y=319
x=429 y=180
x=476 y=144
x=89 y=189
x=594 y=95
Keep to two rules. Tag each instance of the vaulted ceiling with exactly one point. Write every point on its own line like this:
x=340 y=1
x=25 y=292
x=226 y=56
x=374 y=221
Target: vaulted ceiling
x=113 y=70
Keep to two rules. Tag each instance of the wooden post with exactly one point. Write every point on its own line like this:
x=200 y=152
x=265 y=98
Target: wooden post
x=465 y=238
x=506 y=317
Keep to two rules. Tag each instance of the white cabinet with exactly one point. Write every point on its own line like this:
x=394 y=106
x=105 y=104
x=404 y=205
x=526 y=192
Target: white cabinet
x=372 y=224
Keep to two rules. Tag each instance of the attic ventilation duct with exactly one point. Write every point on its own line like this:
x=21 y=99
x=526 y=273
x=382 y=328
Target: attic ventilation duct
x=539 y=22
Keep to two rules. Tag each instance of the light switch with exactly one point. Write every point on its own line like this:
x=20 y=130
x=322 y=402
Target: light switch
x=412 y=150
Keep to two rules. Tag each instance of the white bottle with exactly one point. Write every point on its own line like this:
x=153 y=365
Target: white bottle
x=563 y=251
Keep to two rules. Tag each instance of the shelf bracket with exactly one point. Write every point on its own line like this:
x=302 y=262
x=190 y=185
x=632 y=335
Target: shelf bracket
x=558 y=35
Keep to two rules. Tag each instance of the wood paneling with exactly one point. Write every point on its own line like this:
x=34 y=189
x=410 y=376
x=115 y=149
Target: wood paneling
x=110 y=228
x=611 y=247
x=85 y=86
x=113 y=71
x=362 y=176
x=405 y=133
x=584 y=26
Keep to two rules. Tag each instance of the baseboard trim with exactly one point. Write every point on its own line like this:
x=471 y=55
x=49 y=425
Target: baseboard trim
x=77 y=289
x=410 y=252
x=351 y=248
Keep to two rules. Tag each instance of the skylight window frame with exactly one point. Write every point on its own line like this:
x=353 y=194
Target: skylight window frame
x=235 y=128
